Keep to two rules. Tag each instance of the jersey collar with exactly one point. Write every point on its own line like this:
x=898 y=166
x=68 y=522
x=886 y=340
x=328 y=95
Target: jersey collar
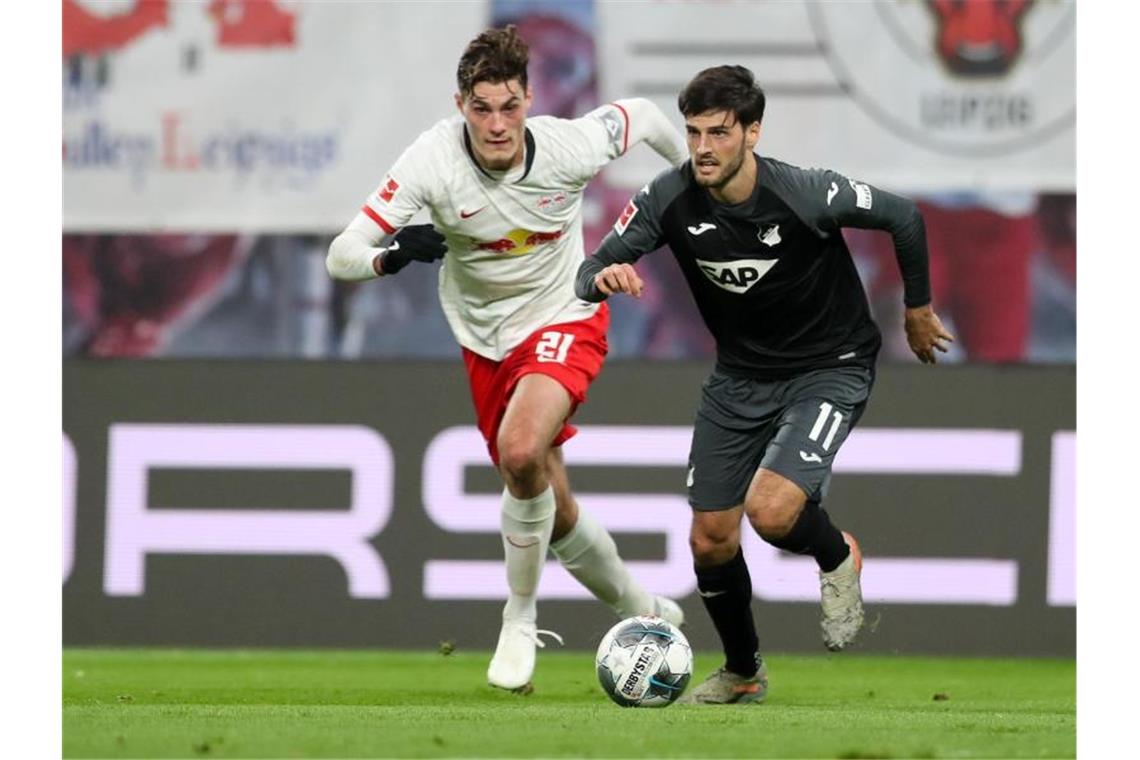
x=528 y=160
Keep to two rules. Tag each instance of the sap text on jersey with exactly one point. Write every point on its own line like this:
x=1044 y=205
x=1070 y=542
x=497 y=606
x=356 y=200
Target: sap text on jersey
x=736 y=276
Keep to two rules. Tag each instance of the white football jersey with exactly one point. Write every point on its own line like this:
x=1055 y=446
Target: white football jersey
x=514 y=238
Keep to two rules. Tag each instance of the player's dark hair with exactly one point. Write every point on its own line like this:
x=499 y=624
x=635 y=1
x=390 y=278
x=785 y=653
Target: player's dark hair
x=724 y=88
x=496 y=55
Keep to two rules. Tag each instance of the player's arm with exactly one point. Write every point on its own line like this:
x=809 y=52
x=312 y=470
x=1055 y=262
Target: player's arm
x=361 y=253
x=637 y=232
x=608 y=131
x=841 y=202
x=647 y=123
x=378 y=240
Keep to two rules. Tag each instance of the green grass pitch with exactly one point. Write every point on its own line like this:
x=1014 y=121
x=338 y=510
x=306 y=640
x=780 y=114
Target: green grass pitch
x=166 y=703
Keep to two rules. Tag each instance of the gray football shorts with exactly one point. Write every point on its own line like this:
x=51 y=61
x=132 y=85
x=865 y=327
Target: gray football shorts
x=793 y=427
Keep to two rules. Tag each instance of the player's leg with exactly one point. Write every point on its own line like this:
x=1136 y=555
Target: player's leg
x=780 y=513
x=783 y=500
x=725 y=588
x=535 y=413
x=589 y=553
x=721 y=463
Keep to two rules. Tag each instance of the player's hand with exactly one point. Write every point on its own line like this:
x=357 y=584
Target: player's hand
x=924 y=333
x=418 y=242
x=619 y=278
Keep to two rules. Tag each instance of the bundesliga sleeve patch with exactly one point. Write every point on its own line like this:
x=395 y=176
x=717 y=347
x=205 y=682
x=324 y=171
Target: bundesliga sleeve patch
x=862 y=194
x=388 y=190
x=626 y=217
x=614 y=123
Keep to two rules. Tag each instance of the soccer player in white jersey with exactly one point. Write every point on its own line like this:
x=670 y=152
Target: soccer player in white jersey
x=506 y=192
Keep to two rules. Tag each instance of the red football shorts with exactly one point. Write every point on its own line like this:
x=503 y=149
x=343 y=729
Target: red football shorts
x=572 y=353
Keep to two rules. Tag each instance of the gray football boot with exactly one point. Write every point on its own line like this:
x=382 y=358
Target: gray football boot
x=724 y=687
x=842 y=599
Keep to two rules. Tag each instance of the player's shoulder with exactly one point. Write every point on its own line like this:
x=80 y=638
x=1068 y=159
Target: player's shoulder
x=548 y=126
x=804 y=188
x=791 y=173
x=670 y=183
x=661 y=192
x=559 y=138
x=439 y=142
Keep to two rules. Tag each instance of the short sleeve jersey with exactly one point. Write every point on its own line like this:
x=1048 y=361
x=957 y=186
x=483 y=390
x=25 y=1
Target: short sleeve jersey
x=514 y=238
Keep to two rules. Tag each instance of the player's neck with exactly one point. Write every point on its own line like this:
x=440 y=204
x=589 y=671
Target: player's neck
x=516 y=162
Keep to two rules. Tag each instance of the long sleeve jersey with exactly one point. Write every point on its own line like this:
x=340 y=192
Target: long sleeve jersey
x=514 y=238
x=772 y=276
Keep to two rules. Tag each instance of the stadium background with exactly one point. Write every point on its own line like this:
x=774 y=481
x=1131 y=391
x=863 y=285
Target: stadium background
x=217 y=383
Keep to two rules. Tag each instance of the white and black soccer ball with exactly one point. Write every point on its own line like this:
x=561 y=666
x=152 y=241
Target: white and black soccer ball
x=644 y=662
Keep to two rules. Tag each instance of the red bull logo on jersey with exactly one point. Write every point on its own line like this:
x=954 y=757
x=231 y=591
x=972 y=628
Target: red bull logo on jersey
x=551 y=202
x=519 y=242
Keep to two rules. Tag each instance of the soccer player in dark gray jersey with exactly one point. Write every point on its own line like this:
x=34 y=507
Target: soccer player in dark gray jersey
x=760 y=244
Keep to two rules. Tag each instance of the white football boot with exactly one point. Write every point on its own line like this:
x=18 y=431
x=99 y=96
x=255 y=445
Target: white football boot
x=842 y=599
x=512 y=665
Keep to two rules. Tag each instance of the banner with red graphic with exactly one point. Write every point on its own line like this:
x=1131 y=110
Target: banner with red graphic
x=245 y=115
x=281 y=115
x=916 y=96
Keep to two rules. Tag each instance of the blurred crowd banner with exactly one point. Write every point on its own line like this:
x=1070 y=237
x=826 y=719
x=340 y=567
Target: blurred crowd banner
x=906 y=94
x=1004 y=281
x=326 y=504
x=279 y=116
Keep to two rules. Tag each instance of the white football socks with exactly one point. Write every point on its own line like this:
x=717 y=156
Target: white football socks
x=526 y=525
x=588 y=552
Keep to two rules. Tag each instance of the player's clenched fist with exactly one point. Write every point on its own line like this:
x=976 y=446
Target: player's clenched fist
x=416 y=242
x=619 y=278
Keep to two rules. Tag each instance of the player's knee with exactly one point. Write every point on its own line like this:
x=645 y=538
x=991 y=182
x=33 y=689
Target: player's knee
x=713 y=547
x=771 y=519
x=521 y=458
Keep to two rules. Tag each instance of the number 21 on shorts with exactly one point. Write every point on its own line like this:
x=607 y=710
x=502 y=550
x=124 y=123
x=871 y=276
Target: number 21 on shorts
x=554 y=346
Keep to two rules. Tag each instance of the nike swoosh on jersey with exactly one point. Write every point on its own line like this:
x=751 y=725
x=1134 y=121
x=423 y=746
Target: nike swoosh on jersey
x=467 y=215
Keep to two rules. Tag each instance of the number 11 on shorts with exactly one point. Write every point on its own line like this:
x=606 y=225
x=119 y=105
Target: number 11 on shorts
x=554 y=346
x=837 y=418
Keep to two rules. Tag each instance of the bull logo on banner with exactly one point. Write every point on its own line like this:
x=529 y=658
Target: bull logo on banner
x=90 y=28
x=979 y=38
x=979 y=78
x=92 y=31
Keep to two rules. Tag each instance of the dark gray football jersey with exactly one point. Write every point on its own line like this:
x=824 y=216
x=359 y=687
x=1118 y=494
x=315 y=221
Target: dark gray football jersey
x=772 y=276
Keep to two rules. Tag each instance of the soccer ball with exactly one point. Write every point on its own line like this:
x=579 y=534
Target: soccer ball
x=644 y=662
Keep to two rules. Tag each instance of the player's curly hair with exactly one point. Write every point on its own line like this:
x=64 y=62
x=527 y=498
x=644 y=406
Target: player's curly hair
x=496 y=55
x=724 y=88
